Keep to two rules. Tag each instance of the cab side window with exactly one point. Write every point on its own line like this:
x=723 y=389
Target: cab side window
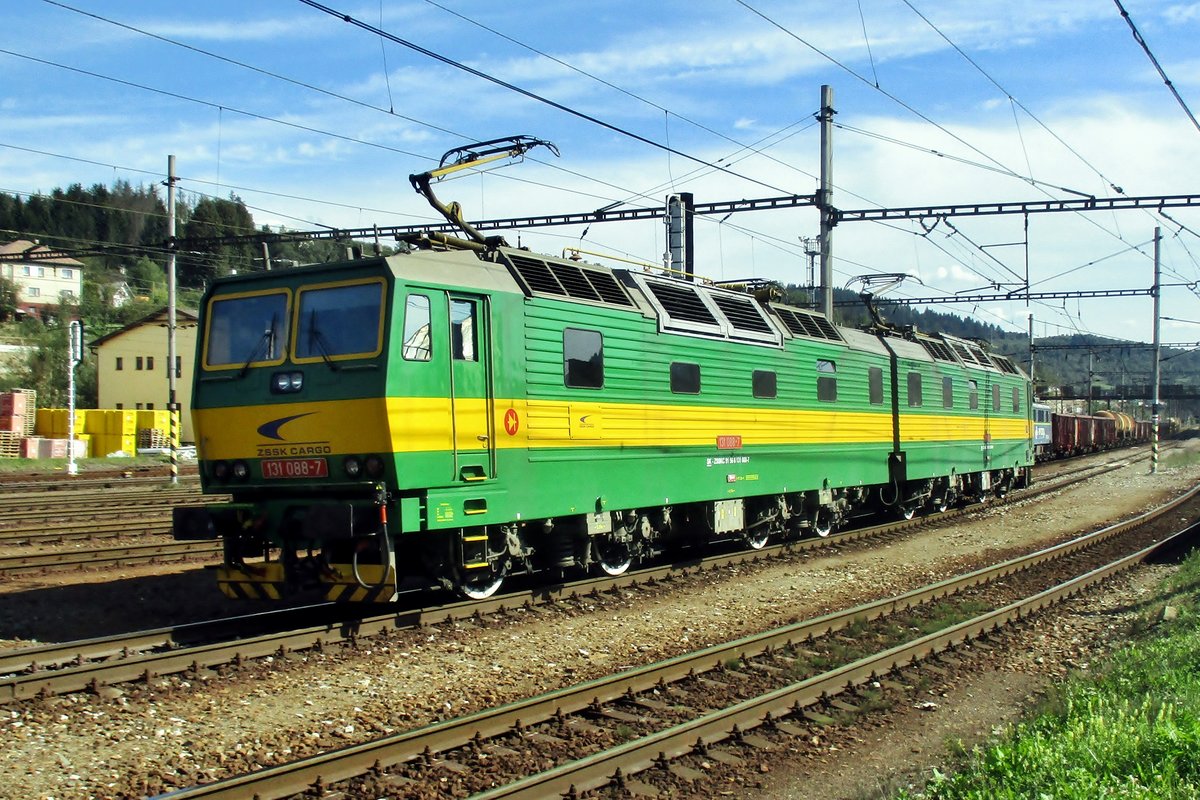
x=826 y=381
x=583 y=359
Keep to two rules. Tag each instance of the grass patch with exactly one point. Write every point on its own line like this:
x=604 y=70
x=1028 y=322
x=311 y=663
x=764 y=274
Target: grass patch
x=625 y=733
x=56 y=465
x=1131 y=730
x=1179 y=457
x=942 y=614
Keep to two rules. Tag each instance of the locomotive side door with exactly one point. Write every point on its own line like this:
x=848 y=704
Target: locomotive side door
x=472 y=400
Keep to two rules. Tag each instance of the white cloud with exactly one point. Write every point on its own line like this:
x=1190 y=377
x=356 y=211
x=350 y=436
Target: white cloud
x=1178 y=14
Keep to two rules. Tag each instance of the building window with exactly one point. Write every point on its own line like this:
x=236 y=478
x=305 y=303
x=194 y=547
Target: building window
x=67 y=272
x=149 y=362
x=33 y=291
x=120 y=363
x=25 y=271
x=764 y=384
x=41 y=272
x=149 y=406
x=685 y=378
x=875 y=385
x=947 y=393
x=120 y=406
x=973 y=395
x=138 y=406
x=826 y=381
x=137 y=362
x=914 y=389
x=583 y=359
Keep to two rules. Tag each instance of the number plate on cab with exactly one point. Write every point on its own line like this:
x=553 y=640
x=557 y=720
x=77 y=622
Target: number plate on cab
x=295 y=468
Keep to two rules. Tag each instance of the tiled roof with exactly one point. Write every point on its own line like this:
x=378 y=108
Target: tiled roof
x=25 y=246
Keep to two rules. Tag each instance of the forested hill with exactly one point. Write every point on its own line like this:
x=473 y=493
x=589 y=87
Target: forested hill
x=134 y=220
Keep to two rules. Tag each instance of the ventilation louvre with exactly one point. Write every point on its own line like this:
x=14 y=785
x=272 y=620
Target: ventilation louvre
x=937 y=350
x=742 y=313
x=682 y=303
x=1005 y=365
x=805 y=323
x=560 y=279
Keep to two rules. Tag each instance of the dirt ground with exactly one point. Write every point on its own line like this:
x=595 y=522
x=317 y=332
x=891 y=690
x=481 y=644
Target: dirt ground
x=141 y=739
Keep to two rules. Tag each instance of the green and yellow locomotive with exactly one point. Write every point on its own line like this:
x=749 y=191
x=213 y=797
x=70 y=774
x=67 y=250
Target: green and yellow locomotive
x=467 y=410
x=454 y=415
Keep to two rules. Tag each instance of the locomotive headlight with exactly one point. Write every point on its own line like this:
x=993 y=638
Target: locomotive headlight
x=287 y=382
x=240 y=470
x=352 y=466
x=374 y=467
x=220 y=470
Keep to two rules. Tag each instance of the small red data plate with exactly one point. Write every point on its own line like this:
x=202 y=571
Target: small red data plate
x=295 y=468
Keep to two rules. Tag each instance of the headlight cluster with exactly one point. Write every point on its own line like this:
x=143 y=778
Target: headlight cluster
x=224 y=471
x=356 y=466
x=287 y=382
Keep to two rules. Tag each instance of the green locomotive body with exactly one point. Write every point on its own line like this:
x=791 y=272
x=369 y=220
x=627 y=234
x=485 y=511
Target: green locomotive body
x=452 y=416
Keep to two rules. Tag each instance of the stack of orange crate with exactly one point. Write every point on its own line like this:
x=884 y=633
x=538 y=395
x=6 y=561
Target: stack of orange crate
x=16 y=415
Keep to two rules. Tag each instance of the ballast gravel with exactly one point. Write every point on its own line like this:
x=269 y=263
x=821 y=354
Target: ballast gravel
x=142 y=739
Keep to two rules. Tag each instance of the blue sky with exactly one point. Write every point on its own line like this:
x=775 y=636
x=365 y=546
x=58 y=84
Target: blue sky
x=321 y=123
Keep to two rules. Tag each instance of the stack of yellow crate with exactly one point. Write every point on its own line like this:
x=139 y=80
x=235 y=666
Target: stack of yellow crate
x=102 y=430
x=108 y=430
x=120 y=433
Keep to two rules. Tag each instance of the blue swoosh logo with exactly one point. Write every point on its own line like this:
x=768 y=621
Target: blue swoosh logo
x=271 y=429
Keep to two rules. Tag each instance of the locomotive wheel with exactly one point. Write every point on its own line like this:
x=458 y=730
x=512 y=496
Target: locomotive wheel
x=481 y=586
x=613 y=557
x=941 y=504
x=822 y=523
x=757 y=539
x=908 y=512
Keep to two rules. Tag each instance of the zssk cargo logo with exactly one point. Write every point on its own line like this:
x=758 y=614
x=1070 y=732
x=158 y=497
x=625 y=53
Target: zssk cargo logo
x=274 y=430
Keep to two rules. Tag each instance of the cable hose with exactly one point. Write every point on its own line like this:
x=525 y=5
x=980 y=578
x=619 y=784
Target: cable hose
x=385 y=553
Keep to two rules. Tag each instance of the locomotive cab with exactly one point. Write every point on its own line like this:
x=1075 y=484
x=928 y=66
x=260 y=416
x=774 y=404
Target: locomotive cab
x=291 y=422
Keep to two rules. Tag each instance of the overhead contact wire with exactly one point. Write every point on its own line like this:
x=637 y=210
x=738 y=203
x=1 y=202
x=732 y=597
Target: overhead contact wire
x=347 y=18
x=1138 y=38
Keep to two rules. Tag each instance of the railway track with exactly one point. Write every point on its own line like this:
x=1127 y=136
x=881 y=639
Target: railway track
x=80 y=516
x=109 y=556
x=22 y=506
x=647 y=729
x=75 y=666
x=75 y=559
x=34 y=518
x=100 y=479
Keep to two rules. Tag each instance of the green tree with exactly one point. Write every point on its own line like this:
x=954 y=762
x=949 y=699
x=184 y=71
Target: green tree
x=145 y=277
x=44 y=367
x=8 y=300
x=212 y=218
